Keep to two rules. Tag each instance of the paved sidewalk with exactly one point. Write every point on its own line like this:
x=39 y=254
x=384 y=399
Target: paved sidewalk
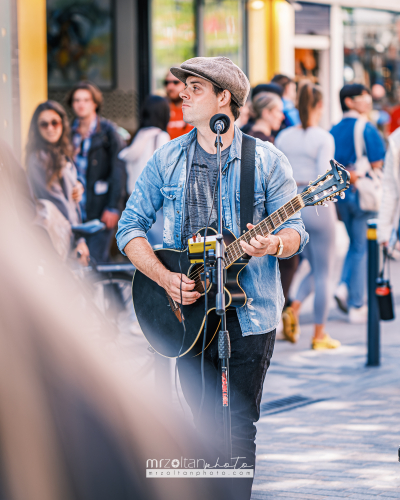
x=346 y=445
x=342 y=447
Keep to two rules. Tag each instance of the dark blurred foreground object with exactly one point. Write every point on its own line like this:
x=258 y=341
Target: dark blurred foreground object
x=74 y=423
x=384 y=290
x=274 y=88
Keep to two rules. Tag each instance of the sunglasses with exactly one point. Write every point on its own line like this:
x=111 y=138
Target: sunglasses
x=175 y=82
x=53 y=123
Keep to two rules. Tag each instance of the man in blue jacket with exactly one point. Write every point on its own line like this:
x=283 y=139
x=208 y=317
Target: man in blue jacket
x=180 y=177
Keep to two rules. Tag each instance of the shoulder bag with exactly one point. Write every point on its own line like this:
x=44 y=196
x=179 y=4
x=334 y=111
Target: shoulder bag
x=369 y=184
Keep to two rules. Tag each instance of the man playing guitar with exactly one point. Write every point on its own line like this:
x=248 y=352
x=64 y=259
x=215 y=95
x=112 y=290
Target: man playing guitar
x=180 y=177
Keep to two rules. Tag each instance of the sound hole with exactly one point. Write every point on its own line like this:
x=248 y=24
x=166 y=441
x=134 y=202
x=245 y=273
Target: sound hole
x=194 y=274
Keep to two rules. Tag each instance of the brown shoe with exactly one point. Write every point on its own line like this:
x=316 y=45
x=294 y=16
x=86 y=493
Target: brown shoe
x=291 y=328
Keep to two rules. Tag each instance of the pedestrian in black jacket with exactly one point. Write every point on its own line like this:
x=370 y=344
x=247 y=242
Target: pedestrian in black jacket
x=97 y=144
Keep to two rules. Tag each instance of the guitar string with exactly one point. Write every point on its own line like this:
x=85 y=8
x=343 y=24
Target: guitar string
x=282 y=218
x=232 y=251
x=307 y=196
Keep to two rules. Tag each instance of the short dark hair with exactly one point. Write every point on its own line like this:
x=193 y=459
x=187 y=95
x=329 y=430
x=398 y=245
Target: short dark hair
x=97 y=96
x=273 y=88
x=235 y=109
x=282 y=80
x=154 y=112
x=351 y=90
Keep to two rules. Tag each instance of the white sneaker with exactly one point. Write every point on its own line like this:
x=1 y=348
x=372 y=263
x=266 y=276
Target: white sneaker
x=358 y=315
x=341 y=296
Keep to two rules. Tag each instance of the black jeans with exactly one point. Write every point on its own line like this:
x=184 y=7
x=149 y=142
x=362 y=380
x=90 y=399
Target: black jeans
x=250 y=359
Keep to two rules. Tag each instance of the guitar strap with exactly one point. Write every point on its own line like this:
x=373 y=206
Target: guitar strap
x=247 y=175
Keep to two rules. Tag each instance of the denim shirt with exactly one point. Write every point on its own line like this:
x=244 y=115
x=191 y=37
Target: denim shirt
x=162 y=184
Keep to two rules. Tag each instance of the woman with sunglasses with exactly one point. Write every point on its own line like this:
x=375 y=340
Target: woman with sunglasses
x=51 y=173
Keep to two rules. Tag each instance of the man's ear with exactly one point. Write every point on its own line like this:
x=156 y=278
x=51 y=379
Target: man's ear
x=349 y=102
x=224 y=98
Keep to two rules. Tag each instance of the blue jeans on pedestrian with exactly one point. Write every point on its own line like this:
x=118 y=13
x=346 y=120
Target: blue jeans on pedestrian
x=354 y=271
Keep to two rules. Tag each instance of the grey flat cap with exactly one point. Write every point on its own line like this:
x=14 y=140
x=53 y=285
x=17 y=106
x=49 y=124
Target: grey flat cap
x=220 y=71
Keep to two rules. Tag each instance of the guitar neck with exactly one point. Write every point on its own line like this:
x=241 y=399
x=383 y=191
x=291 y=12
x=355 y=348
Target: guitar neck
x=234 y=251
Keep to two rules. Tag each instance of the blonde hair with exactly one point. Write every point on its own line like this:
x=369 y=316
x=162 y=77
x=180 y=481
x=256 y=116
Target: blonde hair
x=264 y=100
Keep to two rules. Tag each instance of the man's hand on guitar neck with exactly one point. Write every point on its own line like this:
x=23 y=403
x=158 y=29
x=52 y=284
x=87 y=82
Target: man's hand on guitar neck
x=268 y=245
x=143 y=258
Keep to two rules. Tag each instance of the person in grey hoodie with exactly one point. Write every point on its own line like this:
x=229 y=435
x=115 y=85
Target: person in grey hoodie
x=151 y=135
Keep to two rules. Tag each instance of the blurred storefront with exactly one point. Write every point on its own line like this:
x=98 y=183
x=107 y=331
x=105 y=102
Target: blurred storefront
x=124 y=46
x=372 y=48
x=344 y=41
x=127 y=46
x=190 y=28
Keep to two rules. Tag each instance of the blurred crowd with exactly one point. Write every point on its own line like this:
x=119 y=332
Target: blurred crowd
x=288 y=115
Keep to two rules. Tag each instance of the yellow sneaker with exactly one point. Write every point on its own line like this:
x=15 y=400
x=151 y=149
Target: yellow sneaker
x=326 y=343
x=291 y=328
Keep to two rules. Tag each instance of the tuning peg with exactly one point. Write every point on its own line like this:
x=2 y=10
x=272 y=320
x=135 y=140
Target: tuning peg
x=324 y=204
x=334 y=200
x=342 y=195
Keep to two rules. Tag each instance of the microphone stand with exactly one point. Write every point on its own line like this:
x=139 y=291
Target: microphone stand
x=224 y=345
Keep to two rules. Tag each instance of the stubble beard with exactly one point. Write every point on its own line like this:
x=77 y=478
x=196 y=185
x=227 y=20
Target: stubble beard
x=196 y=118
x=187 y=116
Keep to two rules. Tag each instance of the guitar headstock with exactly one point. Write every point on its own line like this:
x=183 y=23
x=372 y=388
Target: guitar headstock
x=327 y=186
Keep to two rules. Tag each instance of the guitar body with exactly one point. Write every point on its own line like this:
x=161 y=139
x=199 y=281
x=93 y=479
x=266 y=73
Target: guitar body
x=160 y=318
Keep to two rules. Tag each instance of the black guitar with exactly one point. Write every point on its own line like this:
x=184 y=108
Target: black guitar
x=160 y=317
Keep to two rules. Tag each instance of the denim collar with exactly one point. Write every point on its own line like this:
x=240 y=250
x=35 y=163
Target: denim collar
x=236 y=146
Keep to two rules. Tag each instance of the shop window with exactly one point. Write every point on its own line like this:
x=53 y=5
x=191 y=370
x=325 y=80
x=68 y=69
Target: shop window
x=173 y=36
x=80 y=43
x=306 y=65
x=176 y=37
x=223 y=25
x=372 y=49
x=312 y=19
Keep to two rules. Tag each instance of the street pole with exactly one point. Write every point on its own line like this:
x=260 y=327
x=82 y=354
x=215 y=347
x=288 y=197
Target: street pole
x=373 y=327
